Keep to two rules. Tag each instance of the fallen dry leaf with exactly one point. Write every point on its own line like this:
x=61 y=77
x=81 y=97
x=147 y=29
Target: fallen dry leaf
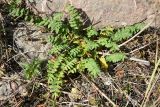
x=120 y=73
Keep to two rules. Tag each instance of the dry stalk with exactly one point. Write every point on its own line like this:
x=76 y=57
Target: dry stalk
x=154 y=77
x=147 y=93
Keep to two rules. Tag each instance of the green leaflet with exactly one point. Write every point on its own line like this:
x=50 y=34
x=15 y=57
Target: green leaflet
x=90 y=45
x=115 y=57
x=108 y=43
x=32 y=69
x=126 y=32
x=91 y=31
x=75 y=20
x=91 y=65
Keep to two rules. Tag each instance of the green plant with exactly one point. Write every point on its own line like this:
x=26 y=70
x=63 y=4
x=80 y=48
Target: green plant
x=17 y=9
x=32 y=69
x=76 y=49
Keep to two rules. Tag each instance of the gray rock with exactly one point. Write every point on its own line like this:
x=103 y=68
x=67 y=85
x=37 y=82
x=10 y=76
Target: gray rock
x=103 y=12
x=29 y=41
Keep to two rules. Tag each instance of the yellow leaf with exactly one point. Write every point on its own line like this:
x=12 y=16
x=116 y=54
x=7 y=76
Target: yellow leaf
x=103 y=62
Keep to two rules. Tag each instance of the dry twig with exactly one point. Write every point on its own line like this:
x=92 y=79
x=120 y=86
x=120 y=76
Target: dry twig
x=148 y=91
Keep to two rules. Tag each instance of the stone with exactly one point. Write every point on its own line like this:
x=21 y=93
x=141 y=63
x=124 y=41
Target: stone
x=31 y=42
x=103 y=13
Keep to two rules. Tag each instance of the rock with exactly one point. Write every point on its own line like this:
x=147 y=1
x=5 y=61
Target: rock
x=31 y=42
x=9 y=88
x=103 y=12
